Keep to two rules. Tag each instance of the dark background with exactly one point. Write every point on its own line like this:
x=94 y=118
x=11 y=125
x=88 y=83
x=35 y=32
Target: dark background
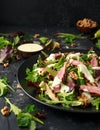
x=47 y=13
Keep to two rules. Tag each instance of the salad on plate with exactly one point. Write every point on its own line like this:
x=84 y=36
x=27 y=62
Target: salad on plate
x=67 y=79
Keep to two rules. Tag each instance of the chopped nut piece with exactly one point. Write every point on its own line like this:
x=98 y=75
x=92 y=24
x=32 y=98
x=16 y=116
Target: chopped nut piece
x=6 y=65
x=5 y=111
x=36 y=36
x=67 y=64
x=93 y=84
x=85 y=25
x=73 y=45
x=42 y=72
x=73 y=75
x=18 y=57
x=18 y=86
x=85 y=98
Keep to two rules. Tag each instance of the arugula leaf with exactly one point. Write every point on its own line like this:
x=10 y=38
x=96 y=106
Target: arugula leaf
x=60 y=63
x=97 y=34
x=15 y=41
x=67 y=37
x=80 y=80
x=91 y=70
x=24 y=119
x=67 y=96
x=32 y=125
x=84 y=57
x=96 y=102
x=27 y=37
x=4 y=86
x=51 y=71
x=66 y=103
x=4 y=42
x=3 y=89
x=98 y=43
x=13 y=107
x=40 y=61
x=33 y=75
x=43 y=39
x=31 y=109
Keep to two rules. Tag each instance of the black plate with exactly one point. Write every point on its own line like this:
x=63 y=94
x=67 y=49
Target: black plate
x=32 y=93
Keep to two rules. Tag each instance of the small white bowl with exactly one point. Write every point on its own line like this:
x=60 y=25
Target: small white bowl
x=28 y=49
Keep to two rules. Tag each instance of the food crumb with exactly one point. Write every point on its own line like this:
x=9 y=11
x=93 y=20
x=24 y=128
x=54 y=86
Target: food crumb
x=5 y=65
x=18 y=86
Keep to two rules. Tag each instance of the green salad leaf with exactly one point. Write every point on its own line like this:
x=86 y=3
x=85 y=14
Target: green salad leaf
x=4 y=42
x=43 y=39
x=13 y=107
x=25 y=119
x=4 y=86
x=96 y=102
x=98 y=43
x=68 y=37
x=33 y=75
x=31 y=109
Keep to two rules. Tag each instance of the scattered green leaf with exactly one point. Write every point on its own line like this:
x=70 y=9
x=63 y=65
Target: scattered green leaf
x=69 y=38
x=96 y=102
x=4 y=86
x=31 y=109
x=13 y=107
x=25 y=119
x=98 y=43
x=43 y=39
x=4 y=42
x=97 y=34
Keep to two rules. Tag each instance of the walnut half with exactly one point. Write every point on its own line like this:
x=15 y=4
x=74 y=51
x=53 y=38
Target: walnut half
x=86 y=25
x=5 y=111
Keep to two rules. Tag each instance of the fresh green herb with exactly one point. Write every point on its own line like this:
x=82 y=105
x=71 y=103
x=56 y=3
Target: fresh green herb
x=15 y=41
x=32 y=125
x=45 y=54
x=60 y=63
x=33 y=75
x=84 y=57
x=80 y=80
x=4 y=42
x=24 y=119
x=43 y=39
x=96 y=102
x=91 y=70
x=51 y=71
x=67 y=96
x=40 y=61
x=65 y=103
x=4 y=86
x=98 y=43
x=97 y=34
x=68 y=38
x=50 y=44
x=27 y=37
x=13 y=107
x=31 y=109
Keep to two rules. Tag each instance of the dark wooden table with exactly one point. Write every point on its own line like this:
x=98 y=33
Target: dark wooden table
x=55 y=119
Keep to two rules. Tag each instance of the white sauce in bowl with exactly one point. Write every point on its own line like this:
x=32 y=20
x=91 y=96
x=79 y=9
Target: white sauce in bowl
x=30 y=47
